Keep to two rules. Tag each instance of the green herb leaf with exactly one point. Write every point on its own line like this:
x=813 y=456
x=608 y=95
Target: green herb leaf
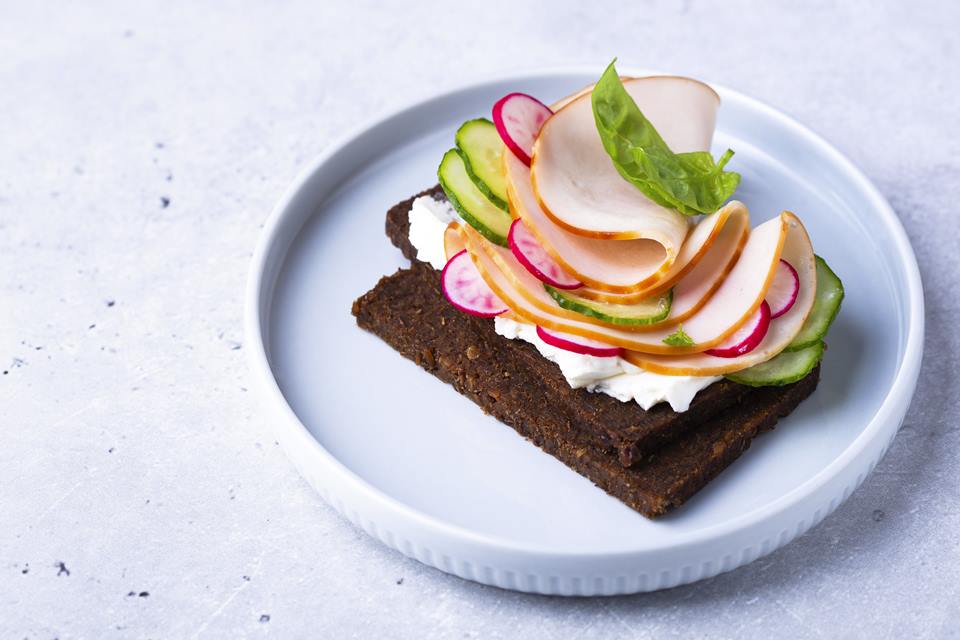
x=692 y=183
x=678 y=338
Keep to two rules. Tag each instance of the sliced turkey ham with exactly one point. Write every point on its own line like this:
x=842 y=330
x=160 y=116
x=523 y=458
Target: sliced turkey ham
x=700 y=243
x=452 y=242
x=529 y=287
x=798 y=251
x=583 y=192
x=689 y=294
x=621 y=267
x=700 y=282
x=739 y=295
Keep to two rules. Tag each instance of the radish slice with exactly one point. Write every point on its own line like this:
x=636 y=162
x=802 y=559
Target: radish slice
x=466 y=290
x=531 y=254
x=576 y=344
x=783 y=290
x=518 y=118
x=746 y=338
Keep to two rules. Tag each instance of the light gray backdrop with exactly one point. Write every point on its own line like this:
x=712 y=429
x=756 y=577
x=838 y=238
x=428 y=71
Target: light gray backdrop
x=142 y=145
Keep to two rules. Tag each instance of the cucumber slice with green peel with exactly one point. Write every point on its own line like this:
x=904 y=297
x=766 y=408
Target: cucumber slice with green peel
x=784 y=368
x=826 y=305
x=474 y=207
x=649 y=311
x=482 y=150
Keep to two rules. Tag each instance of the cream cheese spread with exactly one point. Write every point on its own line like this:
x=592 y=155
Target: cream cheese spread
x=613 y=376
x=429 y=219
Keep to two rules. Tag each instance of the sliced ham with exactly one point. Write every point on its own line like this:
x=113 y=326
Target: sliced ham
x=528 y=286
x=689 y=294
x=528 y=312
x=734 y=301
x=798 y=251
x=700 y=243
x=583 y=192
x=696 y=286
x=620 y=267
x=452 y=242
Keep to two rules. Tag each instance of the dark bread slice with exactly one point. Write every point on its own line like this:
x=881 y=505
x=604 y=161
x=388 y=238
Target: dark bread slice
x=601 y=420
x=510 y=380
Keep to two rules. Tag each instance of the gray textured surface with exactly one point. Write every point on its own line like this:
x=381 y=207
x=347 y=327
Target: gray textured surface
x=141 y=493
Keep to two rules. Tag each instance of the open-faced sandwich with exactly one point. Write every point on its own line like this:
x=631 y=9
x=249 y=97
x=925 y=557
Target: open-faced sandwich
x=581 y=273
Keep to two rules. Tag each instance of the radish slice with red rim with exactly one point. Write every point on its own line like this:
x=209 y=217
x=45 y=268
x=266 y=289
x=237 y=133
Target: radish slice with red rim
x=535 y=259
x=746 y=338
x=783 y=290
x=518 y=118
x=466 y=290
x=576 y=344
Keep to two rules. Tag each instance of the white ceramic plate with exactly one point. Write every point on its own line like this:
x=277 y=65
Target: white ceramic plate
x=419 y=467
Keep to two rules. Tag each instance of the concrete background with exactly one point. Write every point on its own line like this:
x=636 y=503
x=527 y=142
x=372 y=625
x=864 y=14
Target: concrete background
x=141 y=147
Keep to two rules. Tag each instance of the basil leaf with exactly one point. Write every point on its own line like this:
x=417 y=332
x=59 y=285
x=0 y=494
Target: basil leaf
x=679 y=338
x=692 y=183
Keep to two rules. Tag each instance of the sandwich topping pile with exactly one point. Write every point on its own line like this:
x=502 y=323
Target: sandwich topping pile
x=582 y=273
x=602 y=232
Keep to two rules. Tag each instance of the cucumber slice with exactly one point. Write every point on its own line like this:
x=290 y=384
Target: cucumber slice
x=826 y=305
x=482 y=150
x=784 y=368
x=649 y=311
x=474 y=207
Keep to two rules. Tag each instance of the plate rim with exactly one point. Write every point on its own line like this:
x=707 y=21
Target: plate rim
x=299 y=443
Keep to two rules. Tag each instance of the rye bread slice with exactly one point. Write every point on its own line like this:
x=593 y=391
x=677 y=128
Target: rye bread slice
x=511 y=381
x=601 y=420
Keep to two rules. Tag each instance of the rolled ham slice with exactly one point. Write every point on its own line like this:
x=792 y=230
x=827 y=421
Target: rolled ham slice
x=583 y=192
x=734 y=301
x=798 y=251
